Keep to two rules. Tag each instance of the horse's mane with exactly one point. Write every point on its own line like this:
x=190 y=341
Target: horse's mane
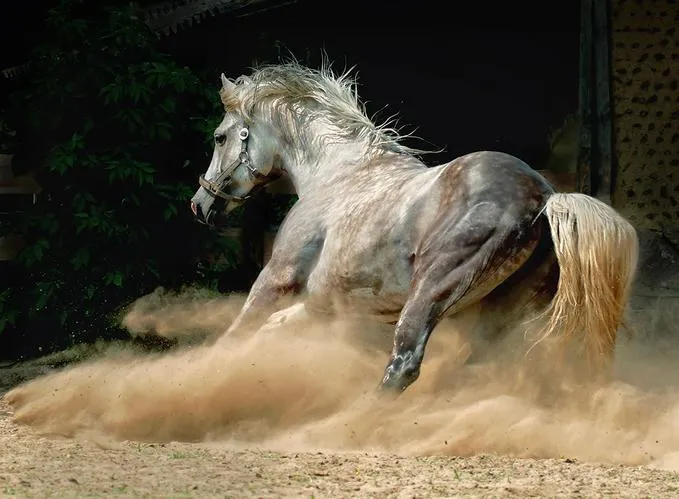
x=309 y=93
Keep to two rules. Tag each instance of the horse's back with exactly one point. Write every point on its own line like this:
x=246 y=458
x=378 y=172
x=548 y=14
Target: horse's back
x=493 y=176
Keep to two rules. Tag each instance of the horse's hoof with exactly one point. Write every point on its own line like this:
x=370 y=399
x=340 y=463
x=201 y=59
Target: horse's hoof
x=392 y=387
x=396 y=381
x=386 y=394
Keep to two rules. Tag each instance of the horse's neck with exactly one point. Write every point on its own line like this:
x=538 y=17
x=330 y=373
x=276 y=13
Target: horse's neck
x=344 y=163
x=329 y=164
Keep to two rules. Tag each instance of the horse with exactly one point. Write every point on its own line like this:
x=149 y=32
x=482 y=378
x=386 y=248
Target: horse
x=377 y=228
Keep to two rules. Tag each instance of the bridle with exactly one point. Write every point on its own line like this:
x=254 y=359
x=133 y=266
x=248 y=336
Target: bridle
x=216 y=187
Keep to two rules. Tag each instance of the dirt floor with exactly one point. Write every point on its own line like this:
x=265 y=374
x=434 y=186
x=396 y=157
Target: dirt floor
x=291 y=414
x=35 y=466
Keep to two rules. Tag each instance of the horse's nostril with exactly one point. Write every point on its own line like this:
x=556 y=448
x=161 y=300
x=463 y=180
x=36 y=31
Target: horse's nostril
x=194 y=209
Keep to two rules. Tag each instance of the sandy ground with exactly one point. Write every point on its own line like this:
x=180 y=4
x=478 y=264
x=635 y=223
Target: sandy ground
x=291 y=414
x=35 y=466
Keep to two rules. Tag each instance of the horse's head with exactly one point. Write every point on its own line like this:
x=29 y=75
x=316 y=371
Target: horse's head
x=244 y=160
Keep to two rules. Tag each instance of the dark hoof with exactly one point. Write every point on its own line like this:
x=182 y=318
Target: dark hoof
x=387 y=389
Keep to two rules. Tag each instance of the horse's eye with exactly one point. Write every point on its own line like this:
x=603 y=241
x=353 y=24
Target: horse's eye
x=220 y=138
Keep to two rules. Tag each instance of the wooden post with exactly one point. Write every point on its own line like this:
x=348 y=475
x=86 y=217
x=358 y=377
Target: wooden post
x=602 y=182
x=584 y=165
x=595 y=157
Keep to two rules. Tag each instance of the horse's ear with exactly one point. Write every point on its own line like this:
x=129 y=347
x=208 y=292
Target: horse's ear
x=227 y=85
x=226 y=92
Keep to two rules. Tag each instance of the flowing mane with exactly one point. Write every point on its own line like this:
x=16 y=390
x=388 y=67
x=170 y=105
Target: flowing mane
x=291 y=94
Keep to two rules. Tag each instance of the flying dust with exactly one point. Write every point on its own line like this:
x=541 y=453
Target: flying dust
x=312 y=386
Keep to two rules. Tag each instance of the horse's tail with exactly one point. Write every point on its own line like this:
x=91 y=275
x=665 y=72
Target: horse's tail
x=597 y=251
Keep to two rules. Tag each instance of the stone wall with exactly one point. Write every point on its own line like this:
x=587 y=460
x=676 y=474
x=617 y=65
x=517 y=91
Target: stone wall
x=645 y=66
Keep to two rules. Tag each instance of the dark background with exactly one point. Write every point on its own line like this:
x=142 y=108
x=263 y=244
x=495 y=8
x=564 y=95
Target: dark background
x=462 y=76
x=466 y=76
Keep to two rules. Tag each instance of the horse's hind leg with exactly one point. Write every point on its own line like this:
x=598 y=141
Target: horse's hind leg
x=458 y=264
x=516 y=301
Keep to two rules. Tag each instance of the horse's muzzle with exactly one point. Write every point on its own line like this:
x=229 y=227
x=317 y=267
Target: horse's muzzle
x=204 y=218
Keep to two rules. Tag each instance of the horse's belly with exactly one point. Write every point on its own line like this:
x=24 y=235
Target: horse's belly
x=360 y=301
x=369 y=287
x=369 y=301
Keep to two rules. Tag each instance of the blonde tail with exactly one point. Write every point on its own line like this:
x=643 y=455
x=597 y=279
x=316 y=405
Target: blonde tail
x=597 y=250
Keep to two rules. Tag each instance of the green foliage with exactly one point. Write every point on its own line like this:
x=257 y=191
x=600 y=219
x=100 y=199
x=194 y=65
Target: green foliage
x=119 y=132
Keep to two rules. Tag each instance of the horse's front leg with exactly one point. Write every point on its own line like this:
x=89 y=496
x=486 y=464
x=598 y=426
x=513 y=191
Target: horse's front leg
x=272 y=284
x=292 y=315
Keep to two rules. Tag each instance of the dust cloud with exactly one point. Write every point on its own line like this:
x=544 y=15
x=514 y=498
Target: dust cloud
x=312 y=386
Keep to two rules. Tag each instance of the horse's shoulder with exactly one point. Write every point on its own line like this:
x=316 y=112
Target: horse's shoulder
x=303 y=222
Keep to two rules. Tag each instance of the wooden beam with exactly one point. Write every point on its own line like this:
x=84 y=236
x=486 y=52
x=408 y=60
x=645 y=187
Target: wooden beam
x=169 y=17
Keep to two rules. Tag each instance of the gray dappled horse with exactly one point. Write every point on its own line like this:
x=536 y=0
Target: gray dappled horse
x=376 y=228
